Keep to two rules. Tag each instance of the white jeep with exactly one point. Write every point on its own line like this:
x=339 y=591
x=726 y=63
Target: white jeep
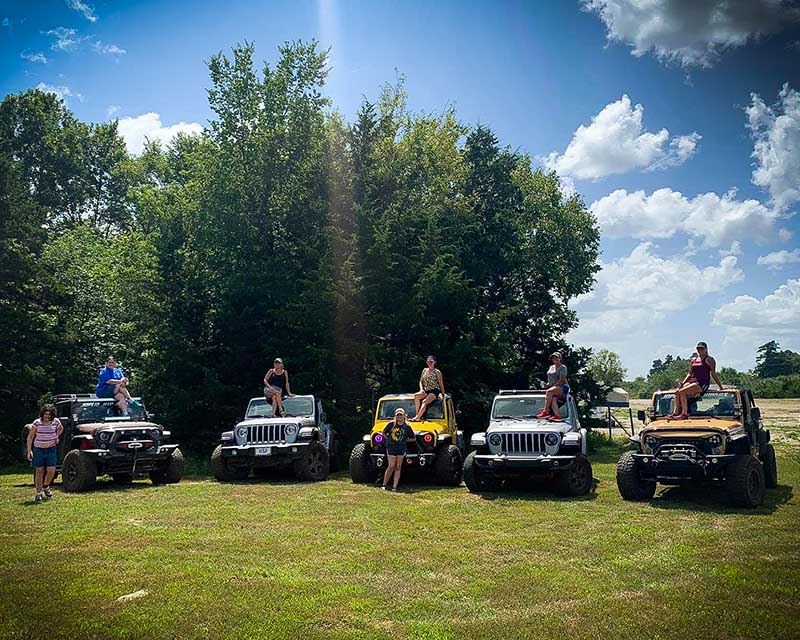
x=518 y=444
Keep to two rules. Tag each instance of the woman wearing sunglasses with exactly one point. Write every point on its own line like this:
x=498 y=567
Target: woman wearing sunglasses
x=701 y=369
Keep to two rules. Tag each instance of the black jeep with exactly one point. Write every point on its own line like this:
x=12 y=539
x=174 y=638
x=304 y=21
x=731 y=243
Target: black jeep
x=98 y=441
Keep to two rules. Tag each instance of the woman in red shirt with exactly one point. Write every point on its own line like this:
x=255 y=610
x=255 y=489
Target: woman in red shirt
x=701 y=370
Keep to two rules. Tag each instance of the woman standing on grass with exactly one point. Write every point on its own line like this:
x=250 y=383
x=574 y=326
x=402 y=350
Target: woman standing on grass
x=42 y=440
x=398 y=434
x=431 y=387
x=696 y=383
x=276 y=387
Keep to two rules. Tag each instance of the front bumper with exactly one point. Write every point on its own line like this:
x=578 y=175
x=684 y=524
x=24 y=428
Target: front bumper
x=131 y=460
x=679 y=467
x=266 y=451
x=500 y=463
x=411 y=460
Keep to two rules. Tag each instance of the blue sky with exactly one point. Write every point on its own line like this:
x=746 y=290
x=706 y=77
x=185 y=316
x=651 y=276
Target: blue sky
x=689 y=153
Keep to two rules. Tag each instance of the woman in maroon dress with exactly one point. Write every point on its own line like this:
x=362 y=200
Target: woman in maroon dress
x=701 y=370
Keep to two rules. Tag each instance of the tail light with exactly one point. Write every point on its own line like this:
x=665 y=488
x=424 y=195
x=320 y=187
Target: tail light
x=86 y=443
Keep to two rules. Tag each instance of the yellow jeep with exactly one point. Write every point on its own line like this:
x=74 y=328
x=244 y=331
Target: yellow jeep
x=722 y=440
x=438 y=447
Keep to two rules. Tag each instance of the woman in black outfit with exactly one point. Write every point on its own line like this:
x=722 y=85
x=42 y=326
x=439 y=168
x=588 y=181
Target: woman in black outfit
x=276 y=387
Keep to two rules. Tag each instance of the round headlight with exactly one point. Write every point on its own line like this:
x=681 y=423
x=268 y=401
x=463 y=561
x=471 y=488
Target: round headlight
x=715 y=441
x=241 y=432
x=291 y=429
x=378 y=438
x=495 y=439
x=551 y=439
x=650 y=442
x=104 y=436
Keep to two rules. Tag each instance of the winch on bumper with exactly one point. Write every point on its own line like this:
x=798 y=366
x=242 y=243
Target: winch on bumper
x=680 y=462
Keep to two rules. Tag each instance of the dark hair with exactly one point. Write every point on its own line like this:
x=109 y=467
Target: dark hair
x=434 y=358
x=45 y=409
x=702 y=344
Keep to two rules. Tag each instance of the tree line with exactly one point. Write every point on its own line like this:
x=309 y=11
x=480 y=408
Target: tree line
x=776 y=374
x=351 y=250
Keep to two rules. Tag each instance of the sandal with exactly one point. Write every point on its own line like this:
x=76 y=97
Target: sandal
x=682 y=416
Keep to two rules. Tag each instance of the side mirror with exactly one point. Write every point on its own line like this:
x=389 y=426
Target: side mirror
x=755 y=412
x=641 y=414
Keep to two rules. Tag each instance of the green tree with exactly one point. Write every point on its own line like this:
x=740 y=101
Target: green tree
x=606 y=368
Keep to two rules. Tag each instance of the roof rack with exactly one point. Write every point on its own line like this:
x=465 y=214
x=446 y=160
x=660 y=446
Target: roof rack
x=75 y=396
x=512 y=392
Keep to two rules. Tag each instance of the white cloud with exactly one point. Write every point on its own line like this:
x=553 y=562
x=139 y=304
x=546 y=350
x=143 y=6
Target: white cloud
x=615 y=142
x=784 y=235
x=691 y=32
x=112 y=110
x=109 y=49
x=36 y=56
x=717 y=220
x=776 y=151
x=137 y=130
x=82 y=8
x=63 y=39
x=778 y=312
x=779 y=259
x=61 y=91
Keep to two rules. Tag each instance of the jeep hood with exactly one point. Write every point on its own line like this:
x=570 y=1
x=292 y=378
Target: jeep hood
x=91 y=427
x=693 y=427
x=525 y=426
x=286 y=420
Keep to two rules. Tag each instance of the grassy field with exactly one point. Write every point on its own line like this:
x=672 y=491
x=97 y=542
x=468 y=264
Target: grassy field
x=276 y=559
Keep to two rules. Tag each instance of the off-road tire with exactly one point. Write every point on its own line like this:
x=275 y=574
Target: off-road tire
x=78 y=472
x=122 y=478
x=744 y=478
x=629 y=482
x=362 y=471
x=770 y=465
x=314 y=463
x=171 y=472
x=576 y=480
x=478 y=481
x=448 y=465
x=224 y=472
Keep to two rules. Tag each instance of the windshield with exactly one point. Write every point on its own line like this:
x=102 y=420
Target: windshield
x=522 y=407
x=386 y=409
x=711 y=403
x=99 y=411
x=296 y=407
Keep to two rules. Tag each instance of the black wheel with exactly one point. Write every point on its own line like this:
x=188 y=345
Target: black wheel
x=744 y=478
x=225 y=472
x=577 y=480
x=630 y=484
x=448 y=465
x=79 y=471
x=314 y=463
x=361 y=468
x=170 y=472
x=478 y=481
x=122 y=478
x=770 y=465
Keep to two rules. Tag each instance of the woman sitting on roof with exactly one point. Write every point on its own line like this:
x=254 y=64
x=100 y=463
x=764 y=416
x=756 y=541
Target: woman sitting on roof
x=695 y=384
x=431 y=387
x=112 y=383
x=557 y=389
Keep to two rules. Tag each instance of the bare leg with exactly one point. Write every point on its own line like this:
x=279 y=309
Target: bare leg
x=397 y=470
x=273 y=396
x=424 y=406
x=49 y=475
x=123 y=389
x=122 y=402
x=389 y=469
x=557 y=393
x=37 y=478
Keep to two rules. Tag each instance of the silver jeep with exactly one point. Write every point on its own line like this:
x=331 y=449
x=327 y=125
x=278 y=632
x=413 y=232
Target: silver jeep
x=518 y=444
x=302 y=439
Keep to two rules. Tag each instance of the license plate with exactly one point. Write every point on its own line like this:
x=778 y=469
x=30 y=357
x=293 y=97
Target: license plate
x=263 y=451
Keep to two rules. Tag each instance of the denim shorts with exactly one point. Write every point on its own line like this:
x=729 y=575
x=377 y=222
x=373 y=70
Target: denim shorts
x=107 y=392
x=396 y=449
x=44 y=457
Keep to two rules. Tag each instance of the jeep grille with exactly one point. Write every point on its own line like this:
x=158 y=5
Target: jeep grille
x=522 y=443
x=256 y=434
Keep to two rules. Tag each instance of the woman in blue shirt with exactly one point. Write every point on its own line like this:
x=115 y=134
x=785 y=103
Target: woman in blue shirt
x=112 y=383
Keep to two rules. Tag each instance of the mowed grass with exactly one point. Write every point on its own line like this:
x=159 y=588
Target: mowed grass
x=276 y=559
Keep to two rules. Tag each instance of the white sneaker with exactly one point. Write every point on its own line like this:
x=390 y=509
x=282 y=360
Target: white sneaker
x=48 y=493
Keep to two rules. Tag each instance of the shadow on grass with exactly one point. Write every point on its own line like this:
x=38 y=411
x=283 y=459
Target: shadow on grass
x=536 y=489
x=712 y=498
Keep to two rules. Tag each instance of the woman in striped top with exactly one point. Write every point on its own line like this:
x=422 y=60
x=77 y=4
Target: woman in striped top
x=42 y=440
